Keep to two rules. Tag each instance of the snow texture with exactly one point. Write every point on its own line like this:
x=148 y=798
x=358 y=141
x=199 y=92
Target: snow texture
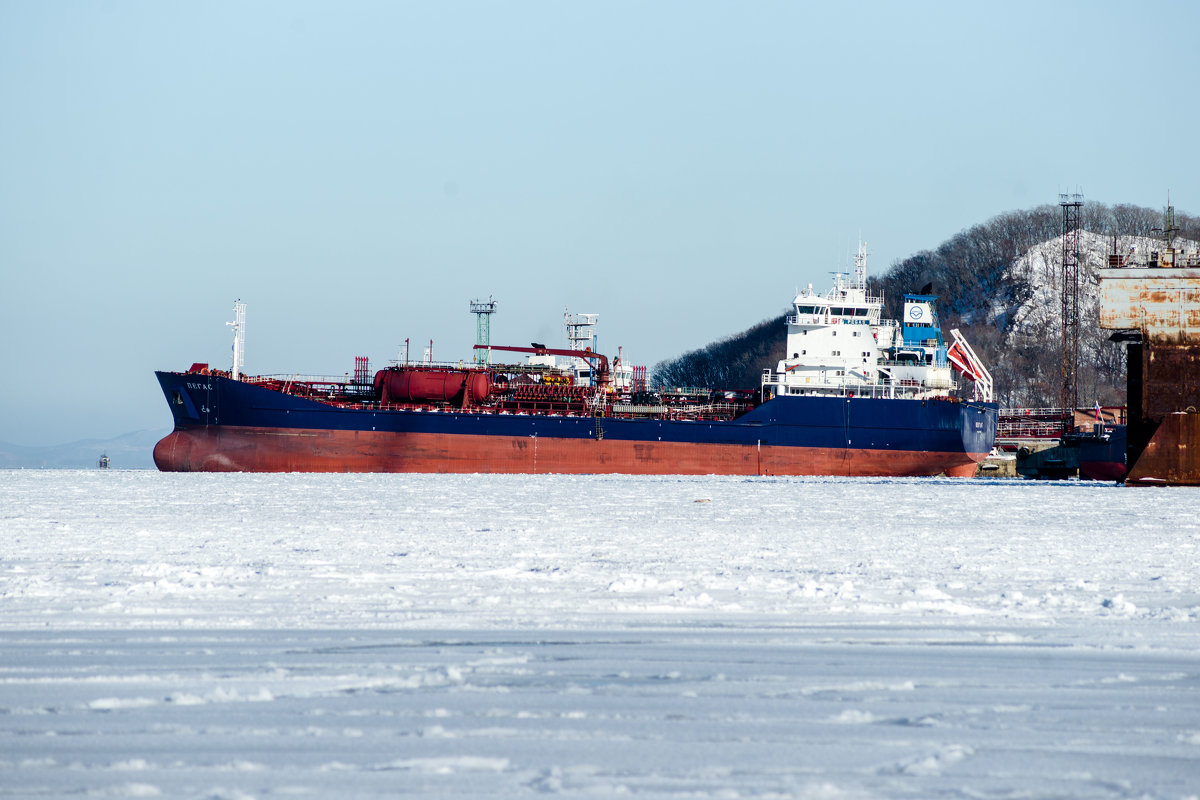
x=237 y=636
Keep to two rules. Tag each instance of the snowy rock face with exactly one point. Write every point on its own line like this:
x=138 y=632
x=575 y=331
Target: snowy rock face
x=1040 y=269
x=1036 y=319
x=439 y=636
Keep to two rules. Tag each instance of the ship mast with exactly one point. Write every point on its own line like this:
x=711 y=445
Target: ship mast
x=860 y=267
x=239 y=338
x=580 y=331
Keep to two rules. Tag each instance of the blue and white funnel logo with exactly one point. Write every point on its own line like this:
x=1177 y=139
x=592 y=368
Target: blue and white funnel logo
x=915 y=313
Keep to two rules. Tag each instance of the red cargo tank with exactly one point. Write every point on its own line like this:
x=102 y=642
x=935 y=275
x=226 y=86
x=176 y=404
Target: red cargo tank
x=408 y=385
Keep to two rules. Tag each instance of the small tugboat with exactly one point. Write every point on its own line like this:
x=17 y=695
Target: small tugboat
x=1097 y=454
x=1102 y=453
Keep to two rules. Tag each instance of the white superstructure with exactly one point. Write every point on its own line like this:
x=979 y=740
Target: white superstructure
x=838 y=345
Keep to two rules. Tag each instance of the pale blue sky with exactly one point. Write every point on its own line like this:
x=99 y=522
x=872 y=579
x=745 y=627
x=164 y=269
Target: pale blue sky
x=356 y=172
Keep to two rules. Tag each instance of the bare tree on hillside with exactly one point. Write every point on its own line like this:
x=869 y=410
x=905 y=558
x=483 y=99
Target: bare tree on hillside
x=735 y=362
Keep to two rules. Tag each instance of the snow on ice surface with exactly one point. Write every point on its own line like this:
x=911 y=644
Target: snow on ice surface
x=371 y=635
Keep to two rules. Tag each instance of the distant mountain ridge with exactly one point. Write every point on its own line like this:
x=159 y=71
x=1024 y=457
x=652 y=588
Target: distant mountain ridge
x=130 y=451
x=998 y=283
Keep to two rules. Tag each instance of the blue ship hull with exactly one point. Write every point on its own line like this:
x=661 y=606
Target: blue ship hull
x=222 y=424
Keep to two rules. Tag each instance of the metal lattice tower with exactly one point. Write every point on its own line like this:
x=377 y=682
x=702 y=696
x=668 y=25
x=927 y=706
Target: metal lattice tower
x=1071 y=208
x=483 y=328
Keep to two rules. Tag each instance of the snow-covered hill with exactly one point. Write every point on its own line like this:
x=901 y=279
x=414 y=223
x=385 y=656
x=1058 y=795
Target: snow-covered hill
x=1034 y=322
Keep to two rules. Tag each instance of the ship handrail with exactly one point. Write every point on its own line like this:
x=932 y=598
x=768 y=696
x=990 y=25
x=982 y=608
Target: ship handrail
x=1036 y=412
x=1046 y=430
x=318 y=380
x=554 y=409
x=864 y=390
x=707 y=408
x=880 y=387
x=284 y=377
x=794 y=319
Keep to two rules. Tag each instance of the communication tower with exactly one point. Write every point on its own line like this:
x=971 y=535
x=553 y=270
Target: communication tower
x=1167 y=257
x=1071 y=206
x=483 y=328
x=239 y=338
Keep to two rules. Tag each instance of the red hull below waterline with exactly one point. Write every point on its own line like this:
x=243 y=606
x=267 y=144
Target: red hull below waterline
x=248 y=449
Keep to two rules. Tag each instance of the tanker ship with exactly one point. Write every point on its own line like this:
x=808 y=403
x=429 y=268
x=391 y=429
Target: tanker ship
x=855 y=395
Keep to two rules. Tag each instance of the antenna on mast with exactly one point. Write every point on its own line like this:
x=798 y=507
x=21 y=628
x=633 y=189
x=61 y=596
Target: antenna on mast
x=239 y=338
x=860 y=266
x=1168 y=230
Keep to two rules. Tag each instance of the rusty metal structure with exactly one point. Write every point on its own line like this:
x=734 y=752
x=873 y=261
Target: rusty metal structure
x=1071 y=207
x=1155 y=308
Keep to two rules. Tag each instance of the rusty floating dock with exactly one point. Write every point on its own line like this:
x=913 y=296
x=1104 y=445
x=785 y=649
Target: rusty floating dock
x=1155 y=309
